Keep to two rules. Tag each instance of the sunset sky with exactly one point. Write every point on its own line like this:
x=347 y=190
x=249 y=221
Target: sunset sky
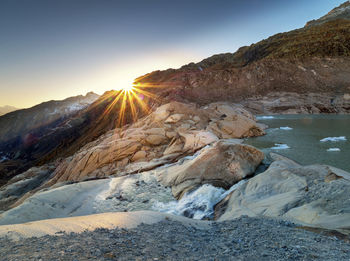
x=57 y=49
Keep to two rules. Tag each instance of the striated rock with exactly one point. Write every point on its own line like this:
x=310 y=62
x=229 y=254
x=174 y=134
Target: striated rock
x=195 y=140
x=222 y=165
x=314 y=195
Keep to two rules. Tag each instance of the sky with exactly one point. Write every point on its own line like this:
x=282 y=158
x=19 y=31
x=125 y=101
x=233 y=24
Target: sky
x=54 y=49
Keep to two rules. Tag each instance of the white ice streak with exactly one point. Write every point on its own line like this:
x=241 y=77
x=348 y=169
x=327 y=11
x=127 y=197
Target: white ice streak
x=334 y=139
x=333 y=149
x=279 y=146
x=198 y=204
x=264 y=117
x=286 y=128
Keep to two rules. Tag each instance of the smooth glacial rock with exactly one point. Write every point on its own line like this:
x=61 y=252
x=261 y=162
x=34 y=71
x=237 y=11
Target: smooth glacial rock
x=126 y=220
x=222 y=165
x=129 y=193
x=316 y=195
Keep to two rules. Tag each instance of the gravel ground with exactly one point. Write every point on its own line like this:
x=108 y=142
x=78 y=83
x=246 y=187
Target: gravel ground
x=242 y=239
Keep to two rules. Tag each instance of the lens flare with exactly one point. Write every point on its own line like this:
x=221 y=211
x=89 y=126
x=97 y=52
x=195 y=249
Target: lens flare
x=130 y=102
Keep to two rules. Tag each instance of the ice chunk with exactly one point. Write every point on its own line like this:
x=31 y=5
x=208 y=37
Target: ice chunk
x=334 y=139
x=333 y=149
x=286 y=128
x=264 y=117
x=279 y=146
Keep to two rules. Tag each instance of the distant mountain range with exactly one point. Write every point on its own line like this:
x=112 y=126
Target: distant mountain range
x=6 y=109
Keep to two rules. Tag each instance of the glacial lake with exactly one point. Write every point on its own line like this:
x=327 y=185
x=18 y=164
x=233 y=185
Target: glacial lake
x=307 y=139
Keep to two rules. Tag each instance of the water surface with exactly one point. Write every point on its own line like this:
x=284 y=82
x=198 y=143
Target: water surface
x=299 y=137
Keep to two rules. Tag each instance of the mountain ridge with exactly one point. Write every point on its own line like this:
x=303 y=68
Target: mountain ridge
x=272 y=64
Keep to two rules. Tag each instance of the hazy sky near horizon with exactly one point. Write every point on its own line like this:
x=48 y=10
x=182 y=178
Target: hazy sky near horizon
x=61 y=48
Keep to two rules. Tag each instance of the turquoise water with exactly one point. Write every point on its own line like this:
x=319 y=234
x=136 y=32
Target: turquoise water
x=300 y=139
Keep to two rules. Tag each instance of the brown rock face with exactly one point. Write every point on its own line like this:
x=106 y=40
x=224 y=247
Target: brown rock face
x=222 y=165
x=154 y=140
x=313 y=59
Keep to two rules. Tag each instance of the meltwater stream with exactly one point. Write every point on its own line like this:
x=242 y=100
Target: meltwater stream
x=198 y=204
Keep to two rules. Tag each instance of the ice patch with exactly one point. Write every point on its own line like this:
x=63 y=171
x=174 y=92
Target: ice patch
x=198 y=204
x=279 y=146
x=333 y=149
x=286 y=128
x=264 y=117
x=334 y=139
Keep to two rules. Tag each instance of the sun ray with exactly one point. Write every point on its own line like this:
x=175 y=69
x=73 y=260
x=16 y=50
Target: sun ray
x=130 y=102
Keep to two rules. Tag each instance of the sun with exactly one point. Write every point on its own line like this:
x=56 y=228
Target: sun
x=128 y=88
x=132 y=99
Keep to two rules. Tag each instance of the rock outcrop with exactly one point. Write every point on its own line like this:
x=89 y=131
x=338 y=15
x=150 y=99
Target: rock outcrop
x=222 y=165
x=172 y=130
x=315 y=196
x=295 y=103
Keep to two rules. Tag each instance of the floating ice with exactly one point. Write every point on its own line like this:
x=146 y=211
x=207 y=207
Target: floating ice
x=333 y=149
x=198 y=204
x=334 y=139
x=279 y=146
x=286 y=128
x=264 y=117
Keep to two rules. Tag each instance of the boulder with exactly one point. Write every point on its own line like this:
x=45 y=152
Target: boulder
x=316 y=195
x=155 y=140
x=138 y=156
x=223 y=164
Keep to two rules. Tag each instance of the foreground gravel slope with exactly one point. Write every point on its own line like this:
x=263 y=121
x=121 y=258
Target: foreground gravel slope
x=241 y=239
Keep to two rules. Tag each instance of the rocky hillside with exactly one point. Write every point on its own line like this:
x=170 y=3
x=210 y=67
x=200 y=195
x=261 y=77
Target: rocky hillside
x=313 y=59
x=6 y=109
x=24 y=133
x=21 y=122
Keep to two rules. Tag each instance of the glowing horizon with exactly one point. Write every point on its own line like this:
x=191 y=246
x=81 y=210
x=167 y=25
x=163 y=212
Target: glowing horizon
x=52 y=50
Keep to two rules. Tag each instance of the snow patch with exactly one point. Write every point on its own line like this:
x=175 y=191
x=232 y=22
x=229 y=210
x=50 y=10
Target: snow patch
x=334 y=139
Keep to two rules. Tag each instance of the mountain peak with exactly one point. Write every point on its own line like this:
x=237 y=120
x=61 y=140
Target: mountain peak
x=6 y=109
x=340 y=12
